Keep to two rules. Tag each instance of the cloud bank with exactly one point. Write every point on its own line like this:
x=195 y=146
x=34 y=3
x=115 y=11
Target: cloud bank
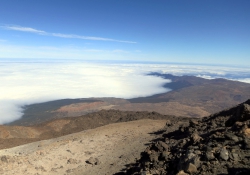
x=205 y=71
x=26 y=82
x=41 y=32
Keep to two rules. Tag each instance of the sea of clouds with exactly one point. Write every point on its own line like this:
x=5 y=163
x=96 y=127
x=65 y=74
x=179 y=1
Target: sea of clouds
x=29 y=82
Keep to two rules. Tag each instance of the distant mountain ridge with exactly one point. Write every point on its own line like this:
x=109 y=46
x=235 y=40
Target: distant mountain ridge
x=211 y=94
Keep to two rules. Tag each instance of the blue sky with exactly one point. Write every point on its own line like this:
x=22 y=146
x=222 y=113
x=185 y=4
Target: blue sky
x=195 y=31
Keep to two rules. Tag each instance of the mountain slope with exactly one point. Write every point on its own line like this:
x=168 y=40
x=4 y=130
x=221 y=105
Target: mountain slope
x=11 y=136
x=219 y=144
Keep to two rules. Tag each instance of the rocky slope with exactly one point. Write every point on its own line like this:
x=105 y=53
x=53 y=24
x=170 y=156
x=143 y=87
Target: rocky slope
x=219 y=144
x=11 y=136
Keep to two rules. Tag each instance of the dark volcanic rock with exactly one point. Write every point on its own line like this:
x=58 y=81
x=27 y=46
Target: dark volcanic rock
x=209 y=155
x=219 y=144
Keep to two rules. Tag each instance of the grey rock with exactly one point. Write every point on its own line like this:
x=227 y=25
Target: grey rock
x=197 y=152
x=209 y=155
x=153 y=157
x=246 y=143
x=213 y=124
x=190 y=155
x=235 y=156
x=231 y=136
x=196 y=161
x=165 y=155
x=164 y=145
x=224 y=154
x=195 y=138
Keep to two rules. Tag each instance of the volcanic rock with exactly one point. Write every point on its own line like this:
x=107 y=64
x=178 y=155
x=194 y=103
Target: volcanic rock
x=224 y=154
x=209 y=155
x=218 y=144
x=191 y=168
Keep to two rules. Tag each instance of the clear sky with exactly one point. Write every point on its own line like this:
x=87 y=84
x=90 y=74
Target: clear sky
x=194 y=31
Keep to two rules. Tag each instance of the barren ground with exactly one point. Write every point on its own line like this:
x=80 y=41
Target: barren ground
x=114 y=146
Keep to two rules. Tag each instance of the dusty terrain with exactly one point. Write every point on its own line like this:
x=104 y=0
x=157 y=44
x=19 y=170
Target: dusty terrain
x=166 y=108
x=111 y=148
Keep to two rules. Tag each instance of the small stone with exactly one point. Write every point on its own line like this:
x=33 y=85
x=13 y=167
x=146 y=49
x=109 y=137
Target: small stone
x=213 y=170
x=197 y=152
x=209 y=155
x=168 y=123
x=224 y=154
x=97 y=162
x=232 y=137
x=190 y=155
x=165 y=155
x=191 y=168
x=196 y=161
x=247 y=143
x=153 y=157
x=41 y=168
x=235 y=156
x=72 y=161
x=143 y=173
x=91 y=160
x=4 y=159
x=181 y=173
x=195 y=138
x=193 y=123
x=214 y=125
x=164 y=145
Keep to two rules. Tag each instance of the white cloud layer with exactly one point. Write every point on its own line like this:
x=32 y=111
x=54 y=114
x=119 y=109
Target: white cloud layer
x=245 y=80
x=41 y=32
x=28 y=82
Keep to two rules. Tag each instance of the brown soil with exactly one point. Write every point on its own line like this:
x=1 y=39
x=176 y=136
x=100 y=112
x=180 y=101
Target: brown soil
x=113 y=146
